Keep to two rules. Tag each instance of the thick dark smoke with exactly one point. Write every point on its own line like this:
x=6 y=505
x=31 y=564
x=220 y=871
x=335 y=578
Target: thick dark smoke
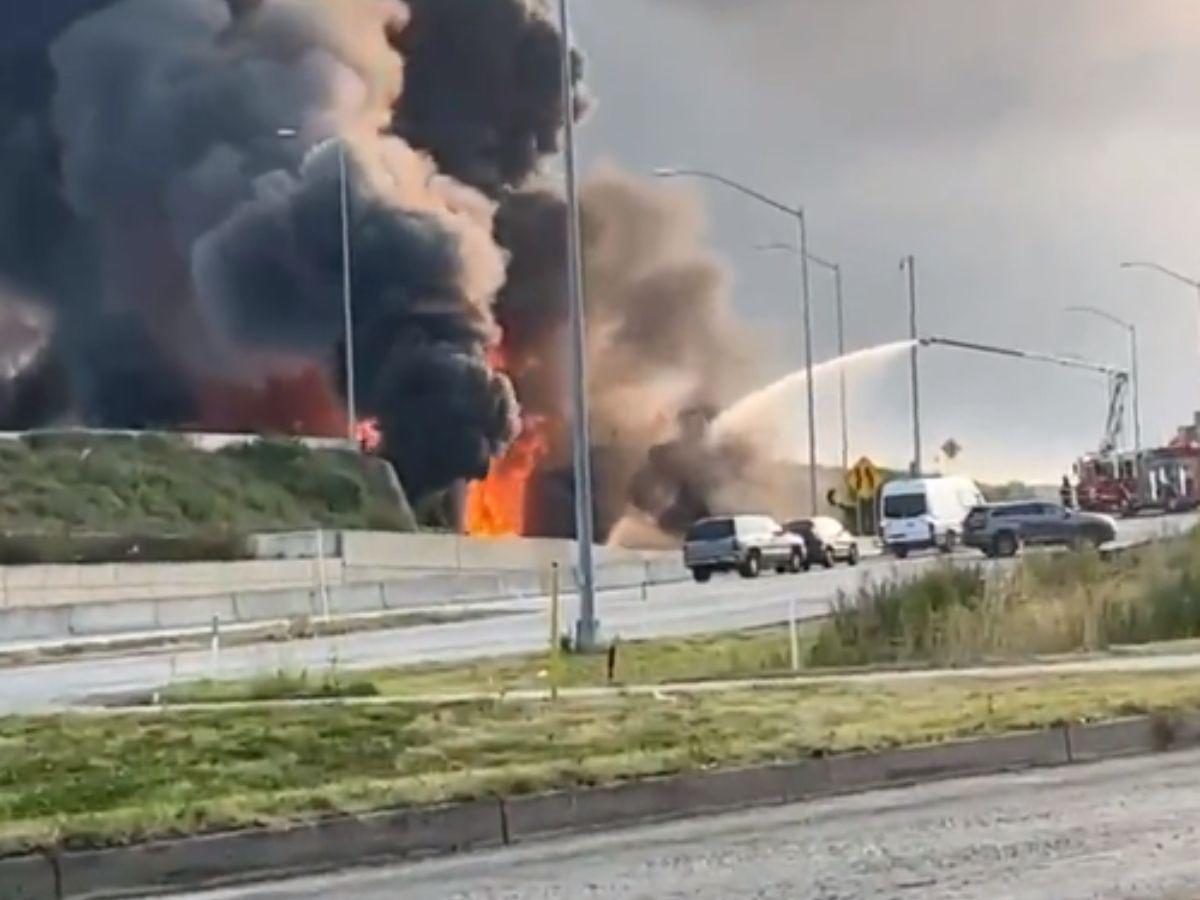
x=483 y=93
x=170 y=209
x=148 y=200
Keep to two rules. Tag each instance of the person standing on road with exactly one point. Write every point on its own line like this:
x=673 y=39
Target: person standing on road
x=1066 y=493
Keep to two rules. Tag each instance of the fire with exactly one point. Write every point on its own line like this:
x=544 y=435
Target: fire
x=496 y=505
x=300 y=403
x=369 y=435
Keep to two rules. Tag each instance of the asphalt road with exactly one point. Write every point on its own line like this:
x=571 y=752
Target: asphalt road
x=677 y=609
x=1125 y=829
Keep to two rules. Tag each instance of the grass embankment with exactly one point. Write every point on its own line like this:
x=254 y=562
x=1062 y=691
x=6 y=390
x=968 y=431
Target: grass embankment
x=84 y=497
x=1046 y=605
x=96 y=780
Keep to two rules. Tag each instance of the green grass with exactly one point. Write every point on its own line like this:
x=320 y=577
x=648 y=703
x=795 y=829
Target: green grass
x=86 y=780
x=1048 y=604
x=71 y=496
x=759 y=653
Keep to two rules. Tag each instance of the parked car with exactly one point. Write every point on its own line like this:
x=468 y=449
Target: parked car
x=1002 y=529
x=826 y=541
x=745 y=544
x=925 y=513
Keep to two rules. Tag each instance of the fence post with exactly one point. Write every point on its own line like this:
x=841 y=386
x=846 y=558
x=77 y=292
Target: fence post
x=215 y=646
x=322 y=581
x=555 y=631
x=794 y=635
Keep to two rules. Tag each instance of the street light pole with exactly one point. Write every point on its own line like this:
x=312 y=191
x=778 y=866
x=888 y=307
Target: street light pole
x=843 y=402
x=347 y=281
x=910 y=263
x=1131 y=330
x=798 y=215
x=348 y=298
x=587 y=628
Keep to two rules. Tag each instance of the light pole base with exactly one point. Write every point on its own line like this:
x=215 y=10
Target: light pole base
x=588 y=638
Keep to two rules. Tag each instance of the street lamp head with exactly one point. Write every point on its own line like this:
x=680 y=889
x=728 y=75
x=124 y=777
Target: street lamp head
x=666 y=172
x=287 y=133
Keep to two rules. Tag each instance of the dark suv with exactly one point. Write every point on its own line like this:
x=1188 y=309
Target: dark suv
x=1003 y=528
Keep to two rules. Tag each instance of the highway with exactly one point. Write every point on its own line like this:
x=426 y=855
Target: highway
x=674 y=609
x=1125 y=829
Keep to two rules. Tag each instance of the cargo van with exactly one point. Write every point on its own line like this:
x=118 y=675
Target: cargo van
x=925 y=513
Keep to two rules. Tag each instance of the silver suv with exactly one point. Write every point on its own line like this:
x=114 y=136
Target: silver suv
x=1002 y=529
x=746 y=544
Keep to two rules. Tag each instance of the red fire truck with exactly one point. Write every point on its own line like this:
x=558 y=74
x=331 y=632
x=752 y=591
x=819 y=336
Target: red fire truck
x=1169 y=479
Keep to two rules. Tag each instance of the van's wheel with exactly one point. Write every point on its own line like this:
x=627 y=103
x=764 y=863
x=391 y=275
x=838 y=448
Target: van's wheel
x=827 y=558
x=854 y=557
x=1005 y=545
x=796 y=562
x=950 y=542
x=752 y=567
x=901 y=552
x=702 y=576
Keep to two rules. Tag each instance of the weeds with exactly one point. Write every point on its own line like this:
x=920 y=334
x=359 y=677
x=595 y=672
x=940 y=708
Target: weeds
x=1049 y=604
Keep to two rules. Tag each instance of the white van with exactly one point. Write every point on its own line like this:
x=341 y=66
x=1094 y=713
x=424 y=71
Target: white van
x=925 y=512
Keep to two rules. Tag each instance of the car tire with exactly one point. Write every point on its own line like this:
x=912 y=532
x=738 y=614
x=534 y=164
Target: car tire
x=949 y=542
x=796 y=562
x=1005 y=545
x=752 y=567
x=900 y=552
x=853 y=557
x=702 y=576
x=828 y=560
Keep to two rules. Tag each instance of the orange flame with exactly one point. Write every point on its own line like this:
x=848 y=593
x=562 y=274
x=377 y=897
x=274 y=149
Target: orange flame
x=496 y=505
x=369 y=435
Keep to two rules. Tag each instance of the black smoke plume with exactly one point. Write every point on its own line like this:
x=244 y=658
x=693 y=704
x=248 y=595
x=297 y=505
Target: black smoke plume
x=150 y=204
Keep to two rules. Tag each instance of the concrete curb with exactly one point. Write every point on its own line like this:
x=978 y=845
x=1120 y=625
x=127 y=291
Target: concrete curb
x=254 y=855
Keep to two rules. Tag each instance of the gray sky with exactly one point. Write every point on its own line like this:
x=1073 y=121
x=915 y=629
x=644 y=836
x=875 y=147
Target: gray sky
x=1021 y=149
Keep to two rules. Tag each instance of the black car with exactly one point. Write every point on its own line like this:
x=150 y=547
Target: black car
x=826 y=541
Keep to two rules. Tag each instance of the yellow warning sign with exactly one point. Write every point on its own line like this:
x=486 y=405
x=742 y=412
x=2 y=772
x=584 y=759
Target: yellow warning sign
x=863 y=479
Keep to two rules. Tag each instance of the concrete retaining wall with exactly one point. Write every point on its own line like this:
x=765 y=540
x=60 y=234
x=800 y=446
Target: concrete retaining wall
x=92 y=618
x=240 y=857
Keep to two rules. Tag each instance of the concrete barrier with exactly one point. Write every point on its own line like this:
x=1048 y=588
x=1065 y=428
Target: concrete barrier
x=1129 y=737
x=33 y=586
x=647 y=801
x=229 y=858
x=1037 y=748
x=27 y=878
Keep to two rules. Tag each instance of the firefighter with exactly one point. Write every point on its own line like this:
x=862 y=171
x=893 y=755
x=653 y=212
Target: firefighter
x=1066 y=494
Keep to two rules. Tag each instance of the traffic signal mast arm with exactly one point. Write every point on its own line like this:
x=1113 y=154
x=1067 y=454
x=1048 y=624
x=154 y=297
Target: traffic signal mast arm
x=1068 y=361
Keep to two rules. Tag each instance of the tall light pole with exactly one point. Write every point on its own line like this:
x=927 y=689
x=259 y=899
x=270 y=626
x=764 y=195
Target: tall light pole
x=347 y=281
x=843 y=403
x=1131 y=329
x=587 y=628
x=798 y=215
x=909 y=263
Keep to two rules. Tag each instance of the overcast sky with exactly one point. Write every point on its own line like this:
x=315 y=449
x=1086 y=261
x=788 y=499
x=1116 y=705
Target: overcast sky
x=1021 y=149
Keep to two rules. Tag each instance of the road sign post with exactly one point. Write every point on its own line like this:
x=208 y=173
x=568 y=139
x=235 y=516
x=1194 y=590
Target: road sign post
x=863 y=481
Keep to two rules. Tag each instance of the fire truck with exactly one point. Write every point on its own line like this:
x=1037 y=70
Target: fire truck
x=1163 y=478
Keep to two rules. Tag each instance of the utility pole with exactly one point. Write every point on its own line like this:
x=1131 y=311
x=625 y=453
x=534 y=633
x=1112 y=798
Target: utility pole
x=348 y=298
x=806 y=300
x=910 y=263
x=587 y=628
x=842 y=401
